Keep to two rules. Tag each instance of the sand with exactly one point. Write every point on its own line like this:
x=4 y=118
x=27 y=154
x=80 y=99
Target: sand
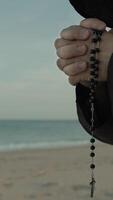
x=56 y=174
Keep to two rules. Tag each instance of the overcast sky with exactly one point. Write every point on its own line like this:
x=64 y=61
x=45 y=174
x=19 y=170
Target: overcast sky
x=31 y=85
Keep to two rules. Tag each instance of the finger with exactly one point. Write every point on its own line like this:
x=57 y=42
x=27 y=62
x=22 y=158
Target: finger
x=61 y=63
x=75 y=33
x=61 y=42
x=73 y=80
x=75 y=68
x=71 y=51
x=93 y=23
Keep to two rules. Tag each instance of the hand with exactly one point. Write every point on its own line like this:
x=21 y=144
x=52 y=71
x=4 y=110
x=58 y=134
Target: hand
x=73 y=50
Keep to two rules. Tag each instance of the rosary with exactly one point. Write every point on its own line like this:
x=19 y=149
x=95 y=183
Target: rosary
x=94 y=73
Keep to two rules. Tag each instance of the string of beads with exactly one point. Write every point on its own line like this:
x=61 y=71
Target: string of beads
x=94 y=74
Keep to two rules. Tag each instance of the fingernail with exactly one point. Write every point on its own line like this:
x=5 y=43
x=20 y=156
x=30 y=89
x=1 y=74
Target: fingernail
x=84 y=34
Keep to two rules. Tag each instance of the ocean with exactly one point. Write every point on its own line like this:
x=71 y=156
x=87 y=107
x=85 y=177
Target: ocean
x=34 y=134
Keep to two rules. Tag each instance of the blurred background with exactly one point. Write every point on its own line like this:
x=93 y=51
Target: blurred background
x=37 y=103
x=31 y=85
x=38 y=112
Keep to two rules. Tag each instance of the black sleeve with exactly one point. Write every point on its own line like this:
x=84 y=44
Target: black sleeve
x=103 y=116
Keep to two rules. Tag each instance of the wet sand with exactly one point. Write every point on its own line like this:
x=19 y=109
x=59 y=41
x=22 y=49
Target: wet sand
x=56 y=174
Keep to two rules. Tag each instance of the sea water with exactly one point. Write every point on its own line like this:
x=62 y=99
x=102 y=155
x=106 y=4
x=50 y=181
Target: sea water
x=31 y=134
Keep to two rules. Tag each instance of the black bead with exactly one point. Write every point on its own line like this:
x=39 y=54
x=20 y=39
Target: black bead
x=97 y=61
x=99 y=39
x=92 y=140
x=92 y=154
x=92 y=81
x=94 y=40
x=91 y=97
x=91 y=93
x=94 y=68
x=92 y=58
x=93 y=51
x=92 y=65
x=96 y=76
x=91 y=100
x=99 y=32
x=93 y=73
x=97 y=50
x=92 y=147
x=93 y=85
x=92 y=166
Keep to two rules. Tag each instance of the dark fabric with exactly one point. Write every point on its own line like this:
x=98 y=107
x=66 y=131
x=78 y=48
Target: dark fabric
x=110 y=82
x=103 y=107
x=101 y=9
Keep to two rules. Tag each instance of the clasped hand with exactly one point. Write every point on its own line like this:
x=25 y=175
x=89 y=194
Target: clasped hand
x=73 y=49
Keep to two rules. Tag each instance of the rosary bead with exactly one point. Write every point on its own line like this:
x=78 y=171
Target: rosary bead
x=91 y=100
x=97 y=61
x=97 y=50
x=96 y=76
x=93 y=65
x=92 y=80
x=93 y=73
x=94 y=40
x=92 y=140
x=92 y=97
x=99 y=39
x=92 y=154
x=92 y=91
x=91 y=94
x=92 y=58
x=93 y=86
x=93 y=51
x=94 y=68
x=92 y=147
x=92 y=166
x=99 y=32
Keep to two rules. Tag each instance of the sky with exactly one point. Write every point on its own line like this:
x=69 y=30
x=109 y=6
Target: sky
x=31 y=85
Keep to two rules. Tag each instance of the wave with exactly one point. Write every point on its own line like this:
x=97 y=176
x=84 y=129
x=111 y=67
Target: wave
x=44 y=145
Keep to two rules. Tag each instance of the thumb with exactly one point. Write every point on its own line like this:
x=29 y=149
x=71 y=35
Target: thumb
x=93 y=23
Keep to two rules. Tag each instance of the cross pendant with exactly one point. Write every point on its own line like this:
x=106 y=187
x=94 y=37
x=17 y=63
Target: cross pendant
x=92 y=183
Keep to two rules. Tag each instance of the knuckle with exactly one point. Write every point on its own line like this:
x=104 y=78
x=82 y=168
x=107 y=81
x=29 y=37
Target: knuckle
x=56 y=43
x=71 y=80
x=59 y=64
x=63 y=62
x=69 y=32
x=60 y=52
x=63 y=52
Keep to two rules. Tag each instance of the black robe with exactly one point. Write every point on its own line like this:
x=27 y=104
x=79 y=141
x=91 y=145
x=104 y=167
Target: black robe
x=104 y=92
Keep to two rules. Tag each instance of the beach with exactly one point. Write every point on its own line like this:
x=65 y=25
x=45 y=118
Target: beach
x=56 y=174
